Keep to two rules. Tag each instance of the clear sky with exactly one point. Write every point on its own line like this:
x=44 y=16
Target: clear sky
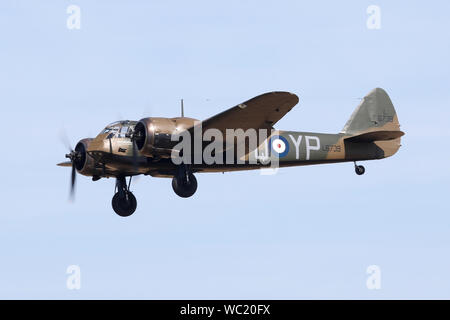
x=306 y=232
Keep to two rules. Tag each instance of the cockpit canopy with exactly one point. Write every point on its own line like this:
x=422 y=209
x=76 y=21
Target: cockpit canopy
x=119 y=129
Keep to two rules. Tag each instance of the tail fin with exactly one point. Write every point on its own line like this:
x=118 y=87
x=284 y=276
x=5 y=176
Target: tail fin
x=374 y=113
x=375 y=121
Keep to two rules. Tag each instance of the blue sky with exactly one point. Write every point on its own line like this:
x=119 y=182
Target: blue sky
x=307 y=232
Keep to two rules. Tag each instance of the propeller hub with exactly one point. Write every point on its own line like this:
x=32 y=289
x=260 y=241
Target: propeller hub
x=74 y=156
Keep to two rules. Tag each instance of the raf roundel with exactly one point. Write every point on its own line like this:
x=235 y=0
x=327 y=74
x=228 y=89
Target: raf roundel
x=280 y=145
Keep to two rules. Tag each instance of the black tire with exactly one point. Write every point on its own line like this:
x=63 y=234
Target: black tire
x=360 y=170
x=124 y=206
x=185 y=189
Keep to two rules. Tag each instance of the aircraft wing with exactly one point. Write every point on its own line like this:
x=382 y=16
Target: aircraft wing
x=260 y=112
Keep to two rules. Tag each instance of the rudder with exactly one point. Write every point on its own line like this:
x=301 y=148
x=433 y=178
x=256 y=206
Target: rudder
x=375 y=112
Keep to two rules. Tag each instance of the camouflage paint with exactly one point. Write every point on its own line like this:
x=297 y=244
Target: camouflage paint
x=375 y=114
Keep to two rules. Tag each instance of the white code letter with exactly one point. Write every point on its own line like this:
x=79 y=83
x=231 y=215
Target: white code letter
x=309 y=147
x=297 y=145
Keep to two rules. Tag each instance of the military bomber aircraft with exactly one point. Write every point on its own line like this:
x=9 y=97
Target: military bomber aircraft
x=130 y=148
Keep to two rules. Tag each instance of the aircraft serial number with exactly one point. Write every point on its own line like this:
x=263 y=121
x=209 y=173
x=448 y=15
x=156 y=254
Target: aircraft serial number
x=332 y=148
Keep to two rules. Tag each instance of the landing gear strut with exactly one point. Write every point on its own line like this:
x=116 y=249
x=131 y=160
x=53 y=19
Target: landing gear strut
x=124 y=202
x=359 y=170
x=184 y=182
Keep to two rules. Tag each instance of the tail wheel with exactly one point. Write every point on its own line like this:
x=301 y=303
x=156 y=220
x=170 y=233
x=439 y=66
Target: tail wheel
x=185 y=188
x=124 y=204
x=360 y=170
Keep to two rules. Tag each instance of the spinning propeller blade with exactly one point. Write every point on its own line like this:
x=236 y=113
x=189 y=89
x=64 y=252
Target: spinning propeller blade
x=72 y=156
x=73 y=180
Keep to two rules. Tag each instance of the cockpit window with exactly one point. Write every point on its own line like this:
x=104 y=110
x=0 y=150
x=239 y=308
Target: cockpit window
x=113 y=130
x=123 y=131
x=119 y=129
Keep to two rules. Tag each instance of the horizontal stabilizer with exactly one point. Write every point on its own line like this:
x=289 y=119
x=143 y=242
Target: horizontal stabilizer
x=381 y=135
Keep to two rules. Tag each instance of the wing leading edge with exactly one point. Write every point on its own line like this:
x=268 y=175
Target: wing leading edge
x=260 y=112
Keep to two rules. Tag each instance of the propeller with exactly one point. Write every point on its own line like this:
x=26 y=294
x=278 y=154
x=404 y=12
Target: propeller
x=73 y=156
x=134 y=136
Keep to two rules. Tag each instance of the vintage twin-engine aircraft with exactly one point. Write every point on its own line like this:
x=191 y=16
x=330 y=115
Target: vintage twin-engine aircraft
x=129 y=148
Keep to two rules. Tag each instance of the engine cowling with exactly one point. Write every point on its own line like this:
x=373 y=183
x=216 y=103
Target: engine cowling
x=154 y=135
x=84 y=163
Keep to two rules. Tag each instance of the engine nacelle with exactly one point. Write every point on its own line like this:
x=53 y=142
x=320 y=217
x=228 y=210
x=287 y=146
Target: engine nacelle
x=85 y=164
x=153 y=135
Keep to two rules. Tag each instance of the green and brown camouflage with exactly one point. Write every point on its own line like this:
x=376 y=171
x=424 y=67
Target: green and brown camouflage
x=129 y=148
x=372 y=132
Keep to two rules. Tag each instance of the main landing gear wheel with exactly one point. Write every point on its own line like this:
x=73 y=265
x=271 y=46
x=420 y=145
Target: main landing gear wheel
x=359 y=170
x=184 y=183
x=124 y=202
x=124 y=206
